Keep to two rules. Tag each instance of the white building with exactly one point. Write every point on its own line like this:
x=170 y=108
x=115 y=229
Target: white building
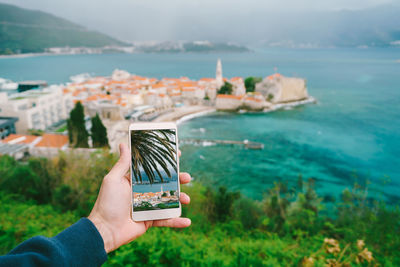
x=210 y=87
x=239 y=88
x=133 y=98
x=36 y=109
x=218 y=75
x=120 y=75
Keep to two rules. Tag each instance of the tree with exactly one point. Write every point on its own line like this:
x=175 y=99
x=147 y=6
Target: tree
x=226 y=89
x=219 y=205
x=77 y=133
x=99 y=132
x=250 y=83
x=151 y=150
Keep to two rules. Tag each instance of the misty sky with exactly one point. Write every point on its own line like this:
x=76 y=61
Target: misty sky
x=161 y=20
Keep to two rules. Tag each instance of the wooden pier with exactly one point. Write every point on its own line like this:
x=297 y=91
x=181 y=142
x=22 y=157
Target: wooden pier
x=207 y=142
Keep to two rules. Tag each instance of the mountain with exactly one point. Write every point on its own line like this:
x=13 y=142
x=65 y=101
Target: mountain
x=373 y=26
x=30 y=31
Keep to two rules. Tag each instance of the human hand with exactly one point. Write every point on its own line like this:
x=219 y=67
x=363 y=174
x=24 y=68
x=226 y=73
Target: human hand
x=111 y=213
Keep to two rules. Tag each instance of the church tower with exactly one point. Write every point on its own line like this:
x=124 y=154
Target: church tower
x=218 y=75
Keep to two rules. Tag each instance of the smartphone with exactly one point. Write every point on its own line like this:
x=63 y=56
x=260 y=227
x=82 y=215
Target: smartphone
x=154 y=171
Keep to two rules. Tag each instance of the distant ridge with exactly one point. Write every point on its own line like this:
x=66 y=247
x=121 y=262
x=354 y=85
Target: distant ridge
x=30 y=31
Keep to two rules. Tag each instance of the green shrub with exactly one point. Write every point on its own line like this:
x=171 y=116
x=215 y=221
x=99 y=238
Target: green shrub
x=287 y=228
x=21 y=219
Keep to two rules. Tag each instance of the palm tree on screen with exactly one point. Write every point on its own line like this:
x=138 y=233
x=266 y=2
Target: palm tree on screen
x=152 y=149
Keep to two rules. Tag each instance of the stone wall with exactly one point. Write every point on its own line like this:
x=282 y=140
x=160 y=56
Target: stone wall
x=280 y=89
x=293 y=89
x=228 y=102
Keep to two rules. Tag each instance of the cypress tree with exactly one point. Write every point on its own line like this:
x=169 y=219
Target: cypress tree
x=99 y=132
x=77 y=133
x=226 y=89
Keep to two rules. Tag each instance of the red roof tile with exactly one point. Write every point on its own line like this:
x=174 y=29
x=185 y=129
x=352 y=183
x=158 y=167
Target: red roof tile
x=53 y=140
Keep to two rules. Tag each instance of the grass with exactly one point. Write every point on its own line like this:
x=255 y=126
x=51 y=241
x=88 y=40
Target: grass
x=62 y=129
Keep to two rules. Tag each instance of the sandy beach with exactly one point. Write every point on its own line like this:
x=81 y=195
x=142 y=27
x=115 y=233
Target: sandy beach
x=185 y=113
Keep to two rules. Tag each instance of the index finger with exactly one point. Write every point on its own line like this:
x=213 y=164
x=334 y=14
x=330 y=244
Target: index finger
x=174 y=222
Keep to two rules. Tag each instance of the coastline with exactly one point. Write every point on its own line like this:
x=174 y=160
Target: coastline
x=195 y=115
x=289 y=105
x=26 y=55
x=185 y=113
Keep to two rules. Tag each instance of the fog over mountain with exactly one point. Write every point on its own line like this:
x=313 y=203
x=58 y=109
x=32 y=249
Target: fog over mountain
x=305 y=23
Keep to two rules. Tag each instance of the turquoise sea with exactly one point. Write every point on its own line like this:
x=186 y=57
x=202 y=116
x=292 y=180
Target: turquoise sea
x=351 y=134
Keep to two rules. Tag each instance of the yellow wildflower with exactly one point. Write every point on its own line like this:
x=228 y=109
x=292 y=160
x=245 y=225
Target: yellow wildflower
x=335 y=263
x=360 y=244
x=308 y=262
x=331 y=245
x=332 y=263
x=365 y=255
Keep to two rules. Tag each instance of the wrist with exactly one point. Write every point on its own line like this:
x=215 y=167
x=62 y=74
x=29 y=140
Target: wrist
x=104 y=231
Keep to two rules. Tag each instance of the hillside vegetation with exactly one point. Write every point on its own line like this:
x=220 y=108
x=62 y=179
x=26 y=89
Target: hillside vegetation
x=288 y=227
x=27 y=31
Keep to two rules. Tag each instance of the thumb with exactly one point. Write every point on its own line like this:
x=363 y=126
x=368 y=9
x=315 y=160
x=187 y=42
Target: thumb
x=122 y=166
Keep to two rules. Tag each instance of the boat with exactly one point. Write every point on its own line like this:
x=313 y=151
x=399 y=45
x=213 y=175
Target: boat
x=8 y=84
x=28 y=85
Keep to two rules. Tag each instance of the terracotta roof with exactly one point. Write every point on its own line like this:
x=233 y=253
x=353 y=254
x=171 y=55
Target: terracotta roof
x=76 y=93
x=116 y=82
x=20 y=139
x=230 y=96
x=136 y=77
x=158 y=85
x=188 y=84
x=175 y=94
x=121 y=102
x=207 y=79
x=275 y=75
x=188 y=89
x=91 y=98
x=53 y=140
x=253 y=99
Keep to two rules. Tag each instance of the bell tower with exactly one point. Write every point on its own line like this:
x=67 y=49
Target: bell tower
x=218 y=74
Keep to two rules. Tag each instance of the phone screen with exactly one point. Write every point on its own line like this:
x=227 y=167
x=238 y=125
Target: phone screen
x=154 y=169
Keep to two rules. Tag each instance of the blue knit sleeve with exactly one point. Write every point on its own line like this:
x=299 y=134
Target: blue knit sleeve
x=78 y=245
